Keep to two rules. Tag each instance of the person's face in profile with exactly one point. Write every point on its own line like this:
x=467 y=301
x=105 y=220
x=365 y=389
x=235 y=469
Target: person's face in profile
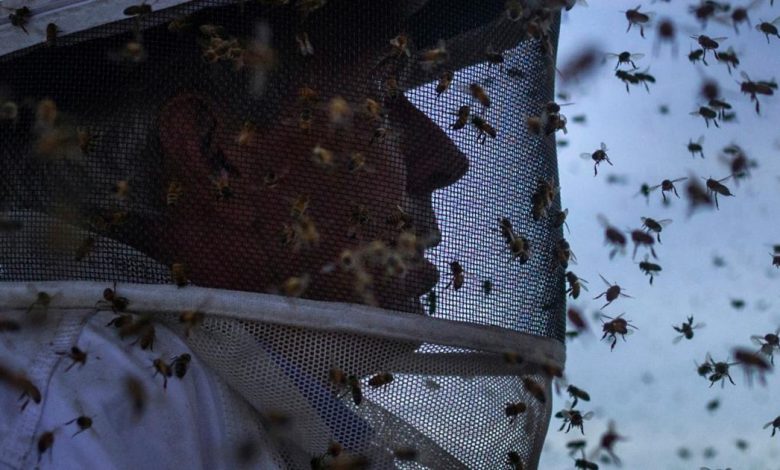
x=241 y=238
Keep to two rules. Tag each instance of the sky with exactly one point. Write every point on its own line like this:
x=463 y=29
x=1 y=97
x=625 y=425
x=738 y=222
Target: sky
x=647 y=384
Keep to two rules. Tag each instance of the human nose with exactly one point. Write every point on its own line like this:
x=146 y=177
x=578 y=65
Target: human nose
x=433 y=161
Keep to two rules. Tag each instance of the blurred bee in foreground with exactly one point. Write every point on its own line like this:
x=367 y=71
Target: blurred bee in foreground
x=698 y=195
x=715 y=187
x=613 y=237
x=650 y=269
x=180 y=365
x=752 y=362
x=686 y=329
x=598 y=156
x=607 y=443
x=775 y=423
x=577 y=319
x=612 y=293
x=535 y=389
x=434 y=57
x=573 y=419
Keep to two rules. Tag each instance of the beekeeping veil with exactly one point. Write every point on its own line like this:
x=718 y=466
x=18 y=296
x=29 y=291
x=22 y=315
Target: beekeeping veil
x=294 y=168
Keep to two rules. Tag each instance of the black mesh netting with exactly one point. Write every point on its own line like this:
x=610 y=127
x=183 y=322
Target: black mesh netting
x=311 y=150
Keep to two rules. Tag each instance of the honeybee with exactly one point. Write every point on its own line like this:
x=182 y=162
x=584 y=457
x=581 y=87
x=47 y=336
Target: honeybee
x=305 y=120
x=719 y=372
x=715 y=187
x=484 y=129
x=650 y=269
x=563 y=254
x=51 y=34
x=19 y=18
x=222 y=185
x=598 y=156
x=573 y=419
x=728 y=57
x=577 y=394
x=575 y=284
x=463 y=117
x=179 y=274
x=85 y=248
x=639 y=237
x=83 y=422
x=112 y=299
x=76 y=355
x=558 y=219
x=616 y=326
x=392 y=89
x=121 y=190
x=323 y=158
x=299 y=206
x=644 y=78
x=400 y=46
x=405 y=453
x=163 y=368
x=636 y=17
x=707 y=43
x=46 y=114
x=180 y=365
x=613 y=236
x=191 y=320
x=458 y=276
x=627 y=78
x=304 y=45
x=295 y=286
x=543 y=198
x=625 y=57
x=686 y=329
x=749 y=87
x=696 y=147
x=248 y=133
x=775 y=423
x=445 y=80
x=652 y=225
x=146 y=335
x=769 y=29
x=535 y=389
x=478 y=93
x=577 y=319
x=434 y=57
x=137 y=393
x=512 y=410
x=612 y=293
x=45 y=442
x=339 y=113
x=380 y=379
x=374 y=110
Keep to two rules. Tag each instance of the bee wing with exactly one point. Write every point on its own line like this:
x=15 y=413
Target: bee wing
x=694 y=113
x=745 y=76
x=719 y=39
x=699 y=325
x=677 y=339
x=637 y=56
x=700 y=140
x=724 y=179
x=585 y=156
x=776 y=21
x=603 y=146
x=679 y=179
x=664 y=222
x=757 y=339
x=768 y=424
x=588 y=415
x=602 y=220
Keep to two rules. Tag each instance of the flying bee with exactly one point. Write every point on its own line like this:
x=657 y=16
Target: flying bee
x=445 y=80
x=585 y=464
x=667 y=185
x=576 y=445
x=644 y=78
x=573 y=418
x=76 y=355
x=164 y=369
x=607 y=442
x=667 y=32
x=697 y=55
x=479 y=94
x=463 y=117
x=434 y=57
x=19 y=18
x=686 y=329
x=575 y=284
x=728 y=57
x=512 y=410
x=577 y=394
x=323 y=158
x=696 y=147
x=768 y=342
x=708 y=114
x=720 y=372
x=616 y=326
x=627 y=78
x=83 y=422
x=180 y=364
x=380 y=379
x=535 y=389
x=752 y=362
x=698 y=195
x=612 y=293
x=769 y=29
x=247 y=134
x=640 y=237
x=749 y=87
x=775 y=423
x=598 y=156
x=652 y=225
x=577 y=319
x=715 y=187
x=707 y=43
x=45 y=442
x=650 y=269
x=484 y=129
x=636 y=17
x=458 y=276
x=613 y=236
x=625 y=57
x=191 y=320
x=719 y=106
